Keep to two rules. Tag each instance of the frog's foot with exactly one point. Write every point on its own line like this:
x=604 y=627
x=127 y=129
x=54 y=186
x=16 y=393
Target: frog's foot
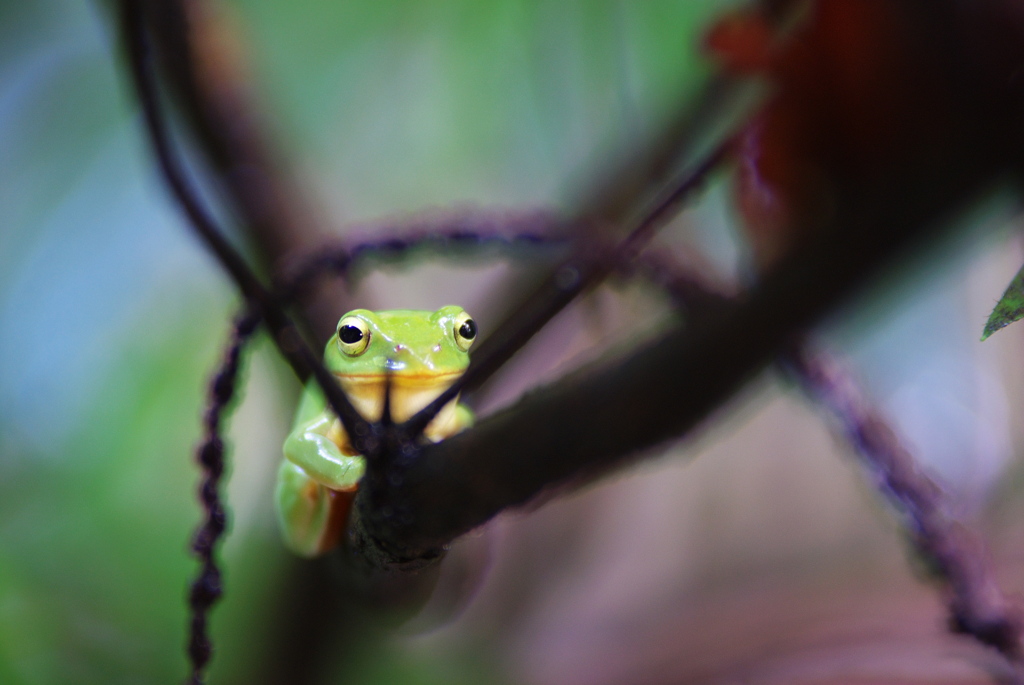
x=312 y=516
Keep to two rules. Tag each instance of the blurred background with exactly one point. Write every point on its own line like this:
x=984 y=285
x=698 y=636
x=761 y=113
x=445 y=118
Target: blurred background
x=754 y=552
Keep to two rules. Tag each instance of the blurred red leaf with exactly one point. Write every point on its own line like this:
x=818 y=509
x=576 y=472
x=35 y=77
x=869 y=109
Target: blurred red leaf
x=868 y=95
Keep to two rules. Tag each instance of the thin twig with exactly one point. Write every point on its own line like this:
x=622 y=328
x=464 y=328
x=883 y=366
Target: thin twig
x=586 y=268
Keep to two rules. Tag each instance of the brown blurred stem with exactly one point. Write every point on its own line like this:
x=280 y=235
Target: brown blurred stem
x=264 y=302
x=208 y=85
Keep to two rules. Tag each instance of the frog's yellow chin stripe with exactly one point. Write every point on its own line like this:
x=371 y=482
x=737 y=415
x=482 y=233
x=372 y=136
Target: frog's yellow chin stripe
x=409 y=394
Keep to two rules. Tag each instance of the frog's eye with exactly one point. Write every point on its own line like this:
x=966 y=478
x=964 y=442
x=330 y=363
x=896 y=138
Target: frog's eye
x=353 y=336
x=465 y=331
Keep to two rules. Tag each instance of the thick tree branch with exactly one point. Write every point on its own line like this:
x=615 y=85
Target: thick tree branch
x=871 y=206
x=602 y=417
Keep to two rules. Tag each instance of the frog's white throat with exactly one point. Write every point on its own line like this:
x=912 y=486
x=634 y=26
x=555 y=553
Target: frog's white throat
x=409 y=394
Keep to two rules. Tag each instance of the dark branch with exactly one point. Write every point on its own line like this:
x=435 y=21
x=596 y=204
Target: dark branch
x=140 y=63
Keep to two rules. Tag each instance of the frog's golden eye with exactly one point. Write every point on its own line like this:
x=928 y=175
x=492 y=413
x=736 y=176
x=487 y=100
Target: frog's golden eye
x=465 y=331
x=353 y=336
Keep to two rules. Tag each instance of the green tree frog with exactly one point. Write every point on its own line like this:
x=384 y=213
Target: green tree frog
x=424 y=353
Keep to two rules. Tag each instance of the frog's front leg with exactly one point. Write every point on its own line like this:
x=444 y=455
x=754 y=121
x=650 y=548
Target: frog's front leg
x=315 y=485
x=312 y=516
x=322 y=448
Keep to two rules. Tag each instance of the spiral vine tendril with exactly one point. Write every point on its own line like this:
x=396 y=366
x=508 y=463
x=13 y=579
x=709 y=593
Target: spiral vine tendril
x=206 y=587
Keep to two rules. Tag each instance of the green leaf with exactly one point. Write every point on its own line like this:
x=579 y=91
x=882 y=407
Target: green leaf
x=1010 y=307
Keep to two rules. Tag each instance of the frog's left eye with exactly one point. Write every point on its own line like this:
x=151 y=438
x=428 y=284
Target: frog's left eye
x=465 y=331
x=353 y=336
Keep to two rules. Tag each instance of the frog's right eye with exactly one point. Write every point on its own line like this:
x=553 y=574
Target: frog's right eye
x=353 y=336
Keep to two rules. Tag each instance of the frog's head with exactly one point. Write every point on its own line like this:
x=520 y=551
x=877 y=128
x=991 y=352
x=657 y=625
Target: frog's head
x=423 y=352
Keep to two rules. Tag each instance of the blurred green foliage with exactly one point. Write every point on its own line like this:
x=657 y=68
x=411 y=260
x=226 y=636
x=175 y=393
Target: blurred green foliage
x=113 y=316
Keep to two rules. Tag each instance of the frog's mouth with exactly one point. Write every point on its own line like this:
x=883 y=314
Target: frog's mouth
x=410 y=392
